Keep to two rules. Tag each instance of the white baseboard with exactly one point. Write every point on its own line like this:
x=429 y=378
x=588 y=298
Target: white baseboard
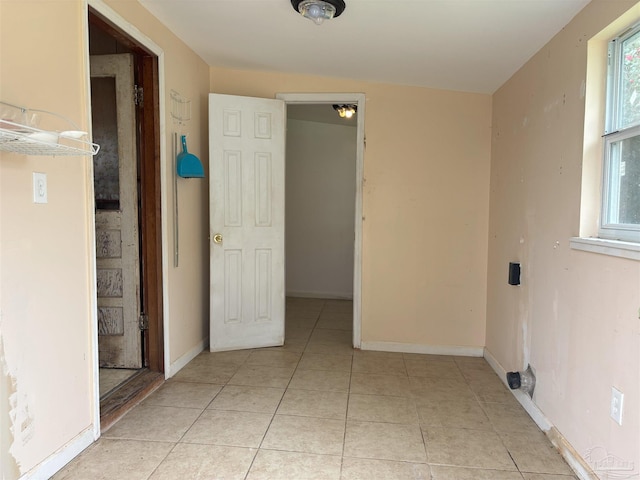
x=525 y=400
x=57 y=460
x=180 y=363
x=571 y=456
x=327 y=295
x=424 y=349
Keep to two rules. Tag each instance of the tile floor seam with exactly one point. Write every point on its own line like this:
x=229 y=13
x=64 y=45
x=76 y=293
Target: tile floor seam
x=161 y=461
x=346 y=416
x=273 y=415
x=253 y=459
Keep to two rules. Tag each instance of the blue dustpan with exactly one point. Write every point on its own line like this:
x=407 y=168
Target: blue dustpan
x=188 y=165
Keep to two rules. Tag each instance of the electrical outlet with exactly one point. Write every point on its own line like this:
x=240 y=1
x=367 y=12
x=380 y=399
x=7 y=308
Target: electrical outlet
x=617 y=398
x=39 y=187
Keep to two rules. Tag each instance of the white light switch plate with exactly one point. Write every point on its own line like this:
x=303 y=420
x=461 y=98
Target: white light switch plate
x=617 y=398
x=39 y=187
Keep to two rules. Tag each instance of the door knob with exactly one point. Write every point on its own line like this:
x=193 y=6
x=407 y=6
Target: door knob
x=217 y=238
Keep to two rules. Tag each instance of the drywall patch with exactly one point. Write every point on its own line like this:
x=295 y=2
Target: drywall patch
x=21 y=419
x=9 y=469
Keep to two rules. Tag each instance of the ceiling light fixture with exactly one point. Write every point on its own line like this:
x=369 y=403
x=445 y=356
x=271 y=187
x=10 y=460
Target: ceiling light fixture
x=319 y=10
x=346 y=111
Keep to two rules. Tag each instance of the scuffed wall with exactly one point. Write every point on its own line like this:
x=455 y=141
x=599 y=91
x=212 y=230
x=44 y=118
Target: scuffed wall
x=8 y=465
x=574 y=318
x=46 y=398
x=46 y=272
x=425 y=202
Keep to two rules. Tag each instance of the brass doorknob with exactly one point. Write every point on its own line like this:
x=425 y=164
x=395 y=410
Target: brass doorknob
x=217 y=238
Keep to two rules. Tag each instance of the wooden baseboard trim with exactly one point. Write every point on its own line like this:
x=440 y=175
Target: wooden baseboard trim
x=130 y=394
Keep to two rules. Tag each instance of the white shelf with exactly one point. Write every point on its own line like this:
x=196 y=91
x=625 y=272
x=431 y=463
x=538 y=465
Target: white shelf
x=19 y=138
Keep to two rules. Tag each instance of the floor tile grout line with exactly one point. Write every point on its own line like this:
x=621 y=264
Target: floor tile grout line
x=346 y=417
x=273 y=416
x=163 y=460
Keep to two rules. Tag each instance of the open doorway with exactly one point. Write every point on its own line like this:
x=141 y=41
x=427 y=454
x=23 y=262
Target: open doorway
x=247 y=208
x=320 y=202
x=125 y=120
x=325 y=155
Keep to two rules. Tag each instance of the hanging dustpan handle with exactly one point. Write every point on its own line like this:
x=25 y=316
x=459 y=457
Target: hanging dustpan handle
x=183 y=139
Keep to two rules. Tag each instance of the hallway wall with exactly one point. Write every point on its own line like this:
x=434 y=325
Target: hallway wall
x=320 y=209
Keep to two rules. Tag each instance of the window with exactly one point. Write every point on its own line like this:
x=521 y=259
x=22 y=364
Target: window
x=620 y=218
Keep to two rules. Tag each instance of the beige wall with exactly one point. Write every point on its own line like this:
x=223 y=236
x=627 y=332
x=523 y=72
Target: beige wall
x=575 y=316
x=425 y=240
x=46 y=276
x=426 y=170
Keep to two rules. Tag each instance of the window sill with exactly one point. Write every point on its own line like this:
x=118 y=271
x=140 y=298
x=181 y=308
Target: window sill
x=614 y=248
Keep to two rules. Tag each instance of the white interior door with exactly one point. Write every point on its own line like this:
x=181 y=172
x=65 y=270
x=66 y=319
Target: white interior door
x=246 y=195
x=116 y=190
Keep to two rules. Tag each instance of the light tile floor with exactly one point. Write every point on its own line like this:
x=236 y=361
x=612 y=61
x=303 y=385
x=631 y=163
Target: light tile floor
x=317 y=409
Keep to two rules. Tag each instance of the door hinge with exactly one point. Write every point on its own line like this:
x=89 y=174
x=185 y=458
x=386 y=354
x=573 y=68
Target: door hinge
x=138 y=95
x=143 y=321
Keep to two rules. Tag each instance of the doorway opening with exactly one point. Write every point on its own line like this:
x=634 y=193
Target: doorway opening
x=247 y=210
x=125 y=121
x=323 y=207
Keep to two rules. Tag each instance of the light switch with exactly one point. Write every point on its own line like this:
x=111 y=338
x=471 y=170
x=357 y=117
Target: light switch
x=617 y=398
x=39 y=187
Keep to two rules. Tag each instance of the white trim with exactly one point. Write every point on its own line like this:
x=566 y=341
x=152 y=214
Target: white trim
x=572 y=457
x=91 y=238
x=524 y=399
x=579 y=466
x=57 y=460
x=614 y=248
x=180 y=363
x=424 y=349
x=360 y=100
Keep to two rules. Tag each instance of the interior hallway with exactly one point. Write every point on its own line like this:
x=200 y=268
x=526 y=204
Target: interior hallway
x=317 y=409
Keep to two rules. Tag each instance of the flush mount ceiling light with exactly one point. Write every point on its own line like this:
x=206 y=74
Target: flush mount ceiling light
x=346 y=111
x=319 y=10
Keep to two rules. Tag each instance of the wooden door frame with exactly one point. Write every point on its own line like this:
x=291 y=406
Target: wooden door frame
x=151 y=156
x=358 y=99
x=149 y=188
x=151 y=213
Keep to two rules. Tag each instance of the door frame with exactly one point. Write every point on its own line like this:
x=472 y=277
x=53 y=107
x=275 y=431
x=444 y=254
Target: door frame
x=358 y=99
x=155 y=186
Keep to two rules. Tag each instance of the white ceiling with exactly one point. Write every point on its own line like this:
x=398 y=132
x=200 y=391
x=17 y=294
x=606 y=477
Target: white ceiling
x=467 y=45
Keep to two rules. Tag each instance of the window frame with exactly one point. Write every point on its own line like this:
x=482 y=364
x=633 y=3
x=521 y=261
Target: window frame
x=614 y=134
